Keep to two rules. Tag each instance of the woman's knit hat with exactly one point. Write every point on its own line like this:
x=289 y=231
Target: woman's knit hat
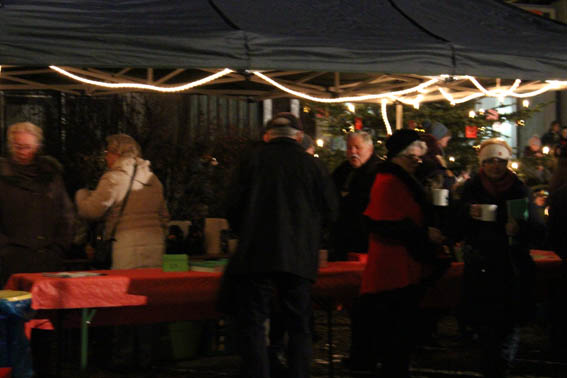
x=494 y=148
x=399 y=140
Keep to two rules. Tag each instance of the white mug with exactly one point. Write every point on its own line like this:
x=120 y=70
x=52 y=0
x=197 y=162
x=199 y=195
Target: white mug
x=440 y=197
x=487 y=212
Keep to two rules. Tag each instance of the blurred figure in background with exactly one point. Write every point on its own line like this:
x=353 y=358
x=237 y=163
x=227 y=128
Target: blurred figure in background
x=499 y=271
x=142 y=228
x=279 y=200
x=353 y=180
x=36 y=214
x=402 y=247
x=140 y=235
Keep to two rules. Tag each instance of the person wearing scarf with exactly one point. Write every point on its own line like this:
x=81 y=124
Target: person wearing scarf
x=498 y=268
x=36 y=214
x=402 y=250
x=36 y=226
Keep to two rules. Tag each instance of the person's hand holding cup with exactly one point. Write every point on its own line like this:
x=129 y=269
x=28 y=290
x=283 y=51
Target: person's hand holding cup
x=483 y=212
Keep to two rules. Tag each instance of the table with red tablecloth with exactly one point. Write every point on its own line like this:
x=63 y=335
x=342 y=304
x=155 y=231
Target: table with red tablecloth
x=152 y=295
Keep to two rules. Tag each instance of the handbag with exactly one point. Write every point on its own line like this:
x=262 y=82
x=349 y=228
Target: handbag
x=103 y=246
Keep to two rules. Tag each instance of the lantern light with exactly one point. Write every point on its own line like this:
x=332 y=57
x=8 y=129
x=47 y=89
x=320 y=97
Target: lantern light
x=545 y=150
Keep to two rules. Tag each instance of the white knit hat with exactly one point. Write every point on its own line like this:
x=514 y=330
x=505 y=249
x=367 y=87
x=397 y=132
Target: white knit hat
x=494 y=149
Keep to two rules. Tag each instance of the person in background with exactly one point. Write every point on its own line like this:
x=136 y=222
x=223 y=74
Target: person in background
x=533 y=149
x=279 y=199
x=553 y=135
x=353 y=180
x=402 y=248
x=36 y=225
x=142 y=228
x=308 y=145
x=140 y=233
x=277 y=333
x=557 y=242
x=36 y=214
x=499 y=271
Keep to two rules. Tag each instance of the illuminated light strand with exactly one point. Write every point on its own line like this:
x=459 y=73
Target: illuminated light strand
x=537 y=92
x=422 y=88
x=454 y=101
x=344 y=99
x=177 y=88
x=495 y=93
x=384 y=109
x=415 y=102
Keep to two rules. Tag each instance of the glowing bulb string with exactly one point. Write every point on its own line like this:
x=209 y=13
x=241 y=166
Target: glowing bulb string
x=345 y=99
x=384 y=109
x=166 y=89
x=396 y=95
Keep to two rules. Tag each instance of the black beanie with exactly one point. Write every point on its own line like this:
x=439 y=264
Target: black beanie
x=399 y=140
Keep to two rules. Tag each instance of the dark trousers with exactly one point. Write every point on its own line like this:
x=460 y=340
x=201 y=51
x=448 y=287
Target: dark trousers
x=255 y=294
x=395 y=314
x=499 y=342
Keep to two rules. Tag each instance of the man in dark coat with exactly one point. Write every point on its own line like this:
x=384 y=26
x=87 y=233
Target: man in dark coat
x=36 y=215
x=353 y=179
x=280 y=199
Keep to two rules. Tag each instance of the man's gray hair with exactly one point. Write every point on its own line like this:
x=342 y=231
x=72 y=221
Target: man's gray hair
x=24 y=127
x=283 y=131
x=123 y=145
x=366 y=137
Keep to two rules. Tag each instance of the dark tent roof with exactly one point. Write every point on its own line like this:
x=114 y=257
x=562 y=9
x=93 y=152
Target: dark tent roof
x=482 y=37
x=485 y=38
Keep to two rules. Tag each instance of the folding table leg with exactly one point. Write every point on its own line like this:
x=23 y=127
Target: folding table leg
x=330 y=339
x=86 y=317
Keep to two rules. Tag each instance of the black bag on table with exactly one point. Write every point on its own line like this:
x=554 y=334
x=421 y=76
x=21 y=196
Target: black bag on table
x=103 y=246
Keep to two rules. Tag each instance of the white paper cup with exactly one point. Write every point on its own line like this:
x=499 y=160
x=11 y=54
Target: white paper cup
x=440 y=197
x=488 y=212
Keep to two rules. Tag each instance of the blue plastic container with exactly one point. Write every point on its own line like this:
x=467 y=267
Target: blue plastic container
x=15 y=351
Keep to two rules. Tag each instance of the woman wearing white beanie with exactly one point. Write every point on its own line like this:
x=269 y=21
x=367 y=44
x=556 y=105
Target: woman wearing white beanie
x=498 y=266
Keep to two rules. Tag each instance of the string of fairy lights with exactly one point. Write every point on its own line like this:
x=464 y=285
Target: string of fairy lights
x=434 y=83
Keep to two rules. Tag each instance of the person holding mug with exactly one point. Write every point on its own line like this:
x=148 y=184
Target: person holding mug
x=498 y=266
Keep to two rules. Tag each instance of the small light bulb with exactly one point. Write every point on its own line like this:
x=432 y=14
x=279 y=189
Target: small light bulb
x=350 y=107
x=526 y=103
x=515 y=165
x=472 y=114
x=316 y=155
x=545 y=150
x=452 y=159
x=320 y=142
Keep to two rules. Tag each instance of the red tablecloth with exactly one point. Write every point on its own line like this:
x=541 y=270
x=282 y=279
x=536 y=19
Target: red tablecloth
x=150 y=295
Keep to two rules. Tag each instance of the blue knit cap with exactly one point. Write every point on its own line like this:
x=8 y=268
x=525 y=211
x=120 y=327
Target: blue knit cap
x=439 y=130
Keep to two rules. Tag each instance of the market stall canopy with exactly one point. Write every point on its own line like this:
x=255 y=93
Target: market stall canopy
x=324 y=48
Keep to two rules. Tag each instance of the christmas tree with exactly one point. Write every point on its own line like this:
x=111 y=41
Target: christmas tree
x=468 y=128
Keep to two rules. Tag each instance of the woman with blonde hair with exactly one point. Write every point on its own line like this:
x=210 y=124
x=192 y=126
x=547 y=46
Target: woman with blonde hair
x=141 y=229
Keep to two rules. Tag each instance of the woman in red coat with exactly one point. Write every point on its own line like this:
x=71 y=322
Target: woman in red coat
x=401 y=247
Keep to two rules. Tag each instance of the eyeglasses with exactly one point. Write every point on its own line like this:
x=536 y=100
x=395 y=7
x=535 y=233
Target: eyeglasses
x=412 y=157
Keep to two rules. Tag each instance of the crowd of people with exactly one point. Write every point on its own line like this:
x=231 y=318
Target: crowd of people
x=408 y=212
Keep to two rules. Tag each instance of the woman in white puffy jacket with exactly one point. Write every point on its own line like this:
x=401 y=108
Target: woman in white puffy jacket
x=141 y=230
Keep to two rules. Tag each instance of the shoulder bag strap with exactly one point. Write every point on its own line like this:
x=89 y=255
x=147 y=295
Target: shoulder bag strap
x=124 y=202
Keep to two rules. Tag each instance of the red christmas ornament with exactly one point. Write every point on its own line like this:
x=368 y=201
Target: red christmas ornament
x=358 y=123
x=471 y=132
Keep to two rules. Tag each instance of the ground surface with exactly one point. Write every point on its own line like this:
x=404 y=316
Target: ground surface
x=446 y=355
